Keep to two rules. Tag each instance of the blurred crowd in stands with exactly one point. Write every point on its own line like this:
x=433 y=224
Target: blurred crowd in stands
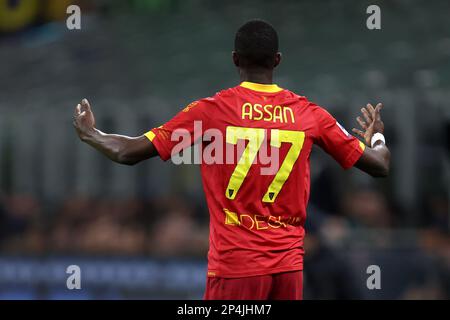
x=175 y=227
x=141 y=65
x=104 y=226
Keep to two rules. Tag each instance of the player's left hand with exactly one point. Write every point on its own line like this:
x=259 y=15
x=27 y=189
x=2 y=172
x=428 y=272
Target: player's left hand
x=83 y=119
x=371 y=124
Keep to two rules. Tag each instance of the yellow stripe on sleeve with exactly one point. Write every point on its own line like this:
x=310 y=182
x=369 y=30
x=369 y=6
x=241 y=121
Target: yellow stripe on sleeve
x=150 y=135
x=362 y=145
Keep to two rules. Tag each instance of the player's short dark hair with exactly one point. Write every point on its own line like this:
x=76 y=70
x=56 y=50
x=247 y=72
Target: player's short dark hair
x=256 y=43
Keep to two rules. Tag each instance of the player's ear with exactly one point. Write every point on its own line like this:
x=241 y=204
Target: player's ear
x=235 y=58
x=277 y=59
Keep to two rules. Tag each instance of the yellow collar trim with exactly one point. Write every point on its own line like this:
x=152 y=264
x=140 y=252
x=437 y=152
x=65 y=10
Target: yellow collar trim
x=270 y=88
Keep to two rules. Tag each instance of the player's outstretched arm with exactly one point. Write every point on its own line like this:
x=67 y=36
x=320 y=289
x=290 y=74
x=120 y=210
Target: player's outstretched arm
x=376 y=157
x=118 y=148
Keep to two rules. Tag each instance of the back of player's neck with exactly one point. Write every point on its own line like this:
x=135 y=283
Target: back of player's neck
x=257 y=77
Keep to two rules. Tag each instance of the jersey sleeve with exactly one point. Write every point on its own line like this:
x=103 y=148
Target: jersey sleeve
x=335 y=140
x=181 y=131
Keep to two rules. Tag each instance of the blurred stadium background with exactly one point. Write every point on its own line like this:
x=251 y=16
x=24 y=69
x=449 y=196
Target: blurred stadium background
x=142 y=232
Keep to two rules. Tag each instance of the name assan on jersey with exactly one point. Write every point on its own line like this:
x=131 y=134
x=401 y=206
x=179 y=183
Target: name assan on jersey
x=268 y=112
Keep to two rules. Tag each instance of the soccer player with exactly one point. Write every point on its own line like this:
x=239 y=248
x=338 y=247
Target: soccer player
x=256 y=215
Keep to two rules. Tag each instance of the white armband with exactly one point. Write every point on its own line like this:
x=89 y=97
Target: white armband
x=377 y=137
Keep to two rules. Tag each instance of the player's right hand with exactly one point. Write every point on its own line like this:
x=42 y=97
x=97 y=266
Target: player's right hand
x=371 y=124
x=83 y=119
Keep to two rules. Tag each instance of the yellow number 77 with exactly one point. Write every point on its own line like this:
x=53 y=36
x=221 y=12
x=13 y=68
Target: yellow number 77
x=255 y=137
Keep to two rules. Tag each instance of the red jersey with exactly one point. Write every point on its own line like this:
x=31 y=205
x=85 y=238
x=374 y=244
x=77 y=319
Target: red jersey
x=255 y=142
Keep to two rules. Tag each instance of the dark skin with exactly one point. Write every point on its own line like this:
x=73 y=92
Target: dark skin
x=131 y=150
x=118 y=148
